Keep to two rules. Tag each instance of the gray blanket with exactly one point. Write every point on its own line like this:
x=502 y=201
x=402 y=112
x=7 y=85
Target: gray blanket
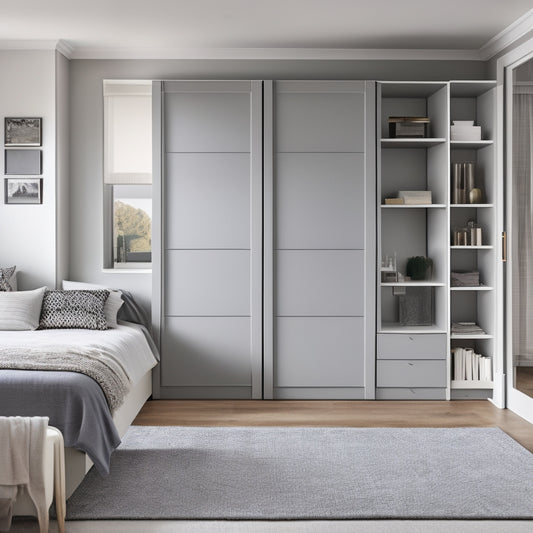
x=74 y=403
x=93 y=362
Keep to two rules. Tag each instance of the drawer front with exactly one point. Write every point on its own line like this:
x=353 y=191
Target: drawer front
x=406 y=346
x=410 y=394
x=411 y=373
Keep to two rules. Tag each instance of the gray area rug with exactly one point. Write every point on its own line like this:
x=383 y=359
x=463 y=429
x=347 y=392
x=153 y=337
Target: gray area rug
x=310 y=474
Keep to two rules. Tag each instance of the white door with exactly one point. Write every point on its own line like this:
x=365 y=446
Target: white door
x=519 y=225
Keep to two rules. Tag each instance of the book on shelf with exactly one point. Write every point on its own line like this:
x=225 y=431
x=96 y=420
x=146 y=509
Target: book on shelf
x=471 y=366
x=415 y=197
x=467 y=328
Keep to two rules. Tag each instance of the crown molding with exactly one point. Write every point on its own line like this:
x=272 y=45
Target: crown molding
x=64 y=48
x=508 y=36
x=317 y=54
x=28 y=45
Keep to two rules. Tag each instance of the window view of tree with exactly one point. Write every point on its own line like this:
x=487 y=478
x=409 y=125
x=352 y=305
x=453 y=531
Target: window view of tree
x=133 y=232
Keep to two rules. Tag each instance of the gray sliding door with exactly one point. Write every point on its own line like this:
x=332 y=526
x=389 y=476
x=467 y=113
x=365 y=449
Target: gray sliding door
x=211 y=238
x=319 y=249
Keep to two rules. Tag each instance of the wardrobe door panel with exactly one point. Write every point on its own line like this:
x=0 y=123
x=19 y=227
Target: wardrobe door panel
x=320 y=122
x=322 y=225
x=320 y=283
x=208 y=122
x=210 y=201
x=319 y=201
x=210 y=192
x=208 y=283
x=319 y=352
x=206 y=352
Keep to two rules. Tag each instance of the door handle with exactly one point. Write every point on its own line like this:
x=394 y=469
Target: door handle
x=504 y=246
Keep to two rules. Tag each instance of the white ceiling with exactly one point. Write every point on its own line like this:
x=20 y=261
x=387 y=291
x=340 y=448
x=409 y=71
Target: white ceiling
x=100 y=28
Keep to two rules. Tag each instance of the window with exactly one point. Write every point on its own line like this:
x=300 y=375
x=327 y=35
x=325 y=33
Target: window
x=127 y=173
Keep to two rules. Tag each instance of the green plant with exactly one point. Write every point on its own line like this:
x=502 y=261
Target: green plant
x=418 y=266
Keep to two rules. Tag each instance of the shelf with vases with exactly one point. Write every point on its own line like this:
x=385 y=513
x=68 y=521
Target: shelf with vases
x=406 y=142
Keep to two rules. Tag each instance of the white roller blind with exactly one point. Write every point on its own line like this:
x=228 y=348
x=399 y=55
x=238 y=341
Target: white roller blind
x=127 y=132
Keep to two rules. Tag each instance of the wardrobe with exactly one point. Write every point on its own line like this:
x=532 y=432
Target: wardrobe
x=264 y=251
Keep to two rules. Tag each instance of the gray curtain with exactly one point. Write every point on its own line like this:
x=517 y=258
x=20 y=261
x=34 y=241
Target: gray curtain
x=522 y=217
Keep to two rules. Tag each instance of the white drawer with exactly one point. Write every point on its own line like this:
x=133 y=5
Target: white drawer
x=411 y=373
x=411 y=346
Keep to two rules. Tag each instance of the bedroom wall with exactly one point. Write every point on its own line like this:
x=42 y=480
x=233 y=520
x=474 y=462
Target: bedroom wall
x=28 y=232
x=86 y=228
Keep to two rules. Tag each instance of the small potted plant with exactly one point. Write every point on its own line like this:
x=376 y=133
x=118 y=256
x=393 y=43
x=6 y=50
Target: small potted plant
x=417 y=267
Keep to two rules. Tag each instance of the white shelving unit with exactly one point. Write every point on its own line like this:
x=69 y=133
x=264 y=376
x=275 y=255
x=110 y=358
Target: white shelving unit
x=412 y=358
x=412 y=230
x=475 y=100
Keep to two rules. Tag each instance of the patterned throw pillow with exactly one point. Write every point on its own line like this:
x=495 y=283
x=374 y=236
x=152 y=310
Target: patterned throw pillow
x=74 y=309
x=7 y=279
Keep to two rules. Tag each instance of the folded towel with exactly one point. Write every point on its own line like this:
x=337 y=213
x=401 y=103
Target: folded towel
x=21 y=465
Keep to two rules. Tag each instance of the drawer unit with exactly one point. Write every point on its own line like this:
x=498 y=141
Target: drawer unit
x=411 y=373
x=411 y=346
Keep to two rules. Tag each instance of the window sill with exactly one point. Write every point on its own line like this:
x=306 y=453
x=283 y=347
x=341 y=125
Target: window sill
x=127 y=270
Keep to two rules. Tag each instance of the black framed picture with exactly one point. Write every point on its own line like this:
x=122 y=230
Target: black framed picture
x=22 y=131
x=23 y=190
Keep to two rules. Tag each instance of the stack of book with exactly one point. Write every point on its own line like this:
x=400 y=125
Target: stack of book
x=471 y=366
x=467 y=328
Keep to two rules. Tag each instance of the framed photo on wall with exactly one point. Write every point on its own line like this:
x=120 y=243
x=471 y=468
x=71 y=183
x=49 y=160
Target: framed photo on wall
x=23 y=190
x=22 y=131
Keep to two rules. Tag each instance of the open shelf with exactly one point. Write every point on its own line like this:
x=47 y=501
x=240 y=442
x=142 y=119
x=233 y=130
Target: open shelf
x=474 y=288
x=413 y=206
x=412 y=284
x=470 y=336
x=411 y=143
x=483 y=247
x=391 y=327
x=471 y=384
x=470 y=144
x=475 y=206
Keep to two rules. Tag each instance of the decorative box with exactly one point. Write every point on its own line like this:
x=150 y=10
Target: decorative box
x=408 y=127
x=464 y=130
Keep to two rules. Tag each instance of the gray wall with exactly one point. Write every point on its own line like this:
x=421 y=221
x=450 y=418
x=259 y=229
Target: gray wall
x=86 y=228
x=28 y=232
x=62 y=167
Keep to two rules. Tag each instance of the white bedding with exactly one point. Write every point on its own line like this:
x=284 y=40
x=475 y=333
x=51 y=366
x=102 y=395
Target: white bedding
x=126 y=343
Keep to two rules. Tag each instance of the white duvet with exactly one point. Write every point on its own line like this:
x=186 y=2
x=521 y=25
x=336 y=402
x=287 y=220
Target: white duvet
x=126 y=344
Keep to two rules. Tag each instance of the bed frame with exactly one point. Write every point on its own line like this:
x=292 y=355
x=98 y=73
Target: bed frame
x=77 y=463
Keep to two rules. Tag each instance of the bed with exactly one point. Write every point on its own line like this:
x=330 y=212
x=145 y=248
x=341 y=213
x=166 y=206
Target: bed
x=40 y=376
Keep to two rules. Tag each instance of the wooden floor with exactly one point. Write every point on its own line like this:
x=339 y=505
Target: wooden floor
x=335 y=414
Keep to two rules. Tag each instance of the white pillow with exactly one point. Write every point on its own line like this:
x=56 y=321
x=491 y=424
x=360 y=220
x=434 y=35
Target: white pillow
x=112 y=305
x=20 y=310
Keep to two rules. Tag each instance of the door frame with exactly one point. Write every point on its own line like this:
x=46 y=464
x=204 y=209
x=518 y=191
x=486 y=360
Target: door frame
x=514 y=400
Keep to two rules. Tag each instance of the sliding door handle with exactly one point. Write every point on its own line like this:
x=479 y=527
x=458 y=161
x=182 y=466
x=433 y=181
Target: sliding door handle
x=504 y=246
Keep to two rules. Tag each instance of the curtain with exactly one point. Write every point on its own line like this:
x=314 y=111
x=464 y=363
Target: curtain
x=522 y=220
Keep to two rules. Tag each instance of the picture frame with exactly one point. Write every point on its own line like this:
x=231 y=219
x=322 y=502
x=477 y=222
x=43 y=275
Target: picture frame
x=23 y=191
x=22 y=131
x=20 y=162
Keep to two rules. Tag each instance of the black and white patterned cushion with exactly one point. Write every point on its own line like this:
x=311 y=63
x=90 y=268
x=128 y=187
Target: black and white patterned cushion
x=82 y=309
x=6 y=279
